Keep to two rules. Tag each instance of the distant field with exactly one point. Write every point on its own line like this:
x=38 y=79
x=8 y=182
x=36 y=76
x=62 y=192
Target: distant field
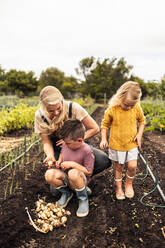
x=12 y=101
x=19 y=112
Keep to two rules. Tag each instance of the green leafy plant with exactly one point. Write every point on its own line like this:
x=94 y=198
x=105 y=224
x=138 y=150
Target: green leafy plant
x=155 y=116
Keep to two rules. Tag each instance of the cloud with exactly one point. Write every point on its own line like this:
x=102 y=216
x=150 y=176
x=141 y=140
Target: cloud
x=43 y=33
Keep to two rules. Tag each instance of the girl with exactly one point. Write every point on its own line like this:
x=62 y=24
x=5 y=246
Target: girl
x=122 y=116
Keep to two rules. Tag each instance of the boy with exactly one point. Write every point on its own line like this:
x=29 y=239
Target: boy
x=74 y=166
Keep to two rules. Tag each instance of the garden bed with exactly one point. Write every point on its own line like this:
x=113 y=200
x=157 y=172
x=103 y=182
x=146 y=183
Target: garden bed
x=110 y=223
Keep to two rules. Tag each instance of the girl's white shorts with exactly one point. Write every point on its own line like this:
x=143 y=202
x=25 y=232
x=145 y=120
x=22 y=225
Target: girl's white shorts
x=123 y=157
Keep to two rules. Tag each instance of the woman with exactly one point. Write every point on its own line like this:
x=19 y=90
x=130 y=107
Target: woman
x=49 y=119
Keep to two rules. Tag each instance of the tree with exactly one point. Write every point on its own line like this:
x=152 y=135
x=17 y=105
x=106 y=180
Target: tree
x=55 y=77
x=142 y=84
x=153 y=89
x=3 y=87
x=102 y=77
x=51 y=76
x=85 y=67
x=2 y=74
x=162 y=87
x=69 y=87
x=20 y=82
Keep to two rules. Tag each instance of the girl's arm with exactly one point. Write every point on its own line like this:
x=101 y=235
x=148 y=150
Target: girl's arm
x=139 y=135
x=141 y=120
x=141 y=129
x=104 y=142
x=105 y=125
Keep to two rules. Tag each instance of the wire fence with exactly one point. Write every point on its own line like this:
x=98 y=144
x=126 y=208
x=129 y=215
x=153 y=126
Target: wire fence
x=17 y=164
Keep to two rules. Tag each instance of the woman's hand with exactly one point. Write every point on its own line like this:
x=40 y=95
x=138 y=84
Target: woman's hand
x=49 y=161
x=103 y=144
x=48 y=149
x=59 y=142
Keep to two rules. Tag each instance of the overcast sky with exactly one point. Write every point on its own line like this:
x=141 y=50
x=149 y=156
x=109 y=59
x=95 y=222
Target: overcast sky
x=37 y=34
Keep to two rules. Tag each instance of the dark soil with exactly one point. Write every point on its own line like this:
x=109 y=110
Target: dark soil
x=110 y=223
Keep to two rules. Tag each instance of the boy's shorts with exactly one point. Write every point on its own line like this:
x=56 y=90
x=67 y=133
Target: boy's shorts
x=123 y=157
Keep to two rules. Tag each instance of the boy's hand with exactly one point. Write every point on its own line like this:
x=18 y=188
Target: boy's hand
x=58 y=163
x=103 y=144
x=66 y=165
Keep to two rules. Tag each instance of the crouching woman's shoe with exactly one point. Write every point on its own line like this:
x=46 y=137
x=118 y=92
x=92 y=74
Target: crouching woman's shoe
x=82 y=197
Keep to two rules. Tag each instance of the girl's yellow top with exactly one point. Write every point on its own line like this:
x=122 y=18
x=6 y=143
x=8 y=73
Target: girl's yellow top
x=123 y=126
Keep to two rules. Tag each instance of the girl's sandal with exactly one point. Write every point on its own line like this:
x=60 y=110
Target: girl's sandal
x=129 y=194
x=119 y=196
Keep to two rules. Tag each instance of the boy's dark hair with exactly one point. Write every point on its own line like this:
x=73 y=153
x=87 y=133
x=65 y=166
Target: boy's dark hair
x=72 y=129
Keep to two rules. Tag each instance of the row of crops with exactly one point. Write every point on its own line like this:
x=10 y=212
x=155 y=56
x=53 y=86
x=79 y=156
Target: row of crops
x=11 y=101
x=155 y=116
x=22 y=116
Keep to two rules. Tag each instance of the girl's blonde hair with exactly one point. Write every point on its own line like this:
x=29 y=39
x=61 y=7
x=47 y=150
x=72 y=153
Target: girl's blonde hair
x=130 y=91
x=50 y=95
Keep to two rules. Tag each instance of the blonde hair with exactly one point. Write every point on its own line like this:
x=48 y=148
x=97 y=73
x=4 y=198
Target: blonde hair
x=129 y=90
x=50 y=95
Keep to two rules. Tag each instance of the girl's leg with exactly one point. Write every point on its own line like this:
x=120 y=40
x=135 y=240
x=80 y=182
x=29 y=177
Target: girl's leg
x=131 y=171
x=118 y=181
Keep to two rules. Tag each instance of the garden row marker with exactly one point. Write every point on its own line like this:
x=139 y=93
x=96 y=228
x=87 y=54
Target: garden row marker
x=153 y=177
